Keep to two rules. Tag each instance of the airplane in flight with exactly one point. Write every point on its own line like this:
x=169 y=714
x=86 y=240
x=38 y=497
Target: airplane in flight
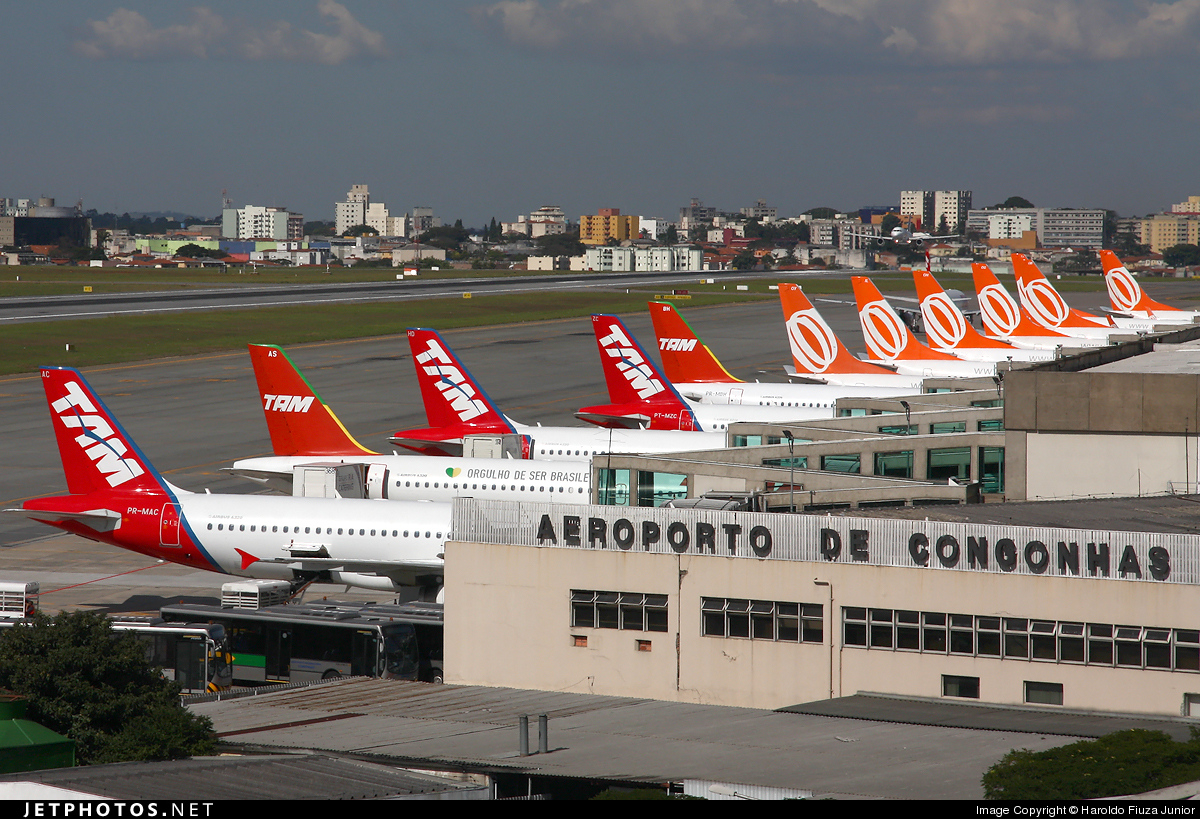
x=1049 y=309
x=691 y=366
x=457 y=406
x=1128 y=298
x=641 y=396
x=891 y=342
x=904 y=236
x=818 y=353
x=1003 y=318
x=305 y=431
x=949 y=331
x=117 y=497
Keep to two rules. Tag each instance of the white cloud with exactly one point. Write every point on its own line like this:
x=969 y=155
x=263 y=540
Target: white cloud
x=127 y=35
x=942 y=32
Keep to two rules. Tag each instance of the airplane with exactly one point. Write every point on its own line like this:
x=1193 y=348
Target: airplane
x=904 y=236
x=642 y=396
x=117 y=497
x=817 y=352
x=1003 y=318
x=697 y=374
x=949 y=331
x=889 y=340
x=305 y=431
x=1049 y=309
x=1128 y=298
x=456 y=406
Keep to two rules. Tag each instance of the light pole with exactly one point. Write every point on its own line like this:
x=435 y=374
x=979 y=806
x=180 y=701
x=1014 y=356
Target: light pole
x=907 y=418
x=791 y=463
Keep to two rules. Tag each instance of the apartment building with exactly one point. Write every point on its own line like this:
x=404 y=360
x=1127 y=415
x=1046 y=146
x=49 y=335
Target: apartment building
x=607 y=224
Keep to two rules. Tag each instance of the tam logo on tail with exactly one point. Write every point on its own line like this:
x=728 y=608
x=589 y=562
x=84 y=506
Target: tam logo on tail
x=455 y=387
x=812 y=341
x=98 y=440
x=630 y=363
x=287 y=403
x=678 y=345
x=883 y=330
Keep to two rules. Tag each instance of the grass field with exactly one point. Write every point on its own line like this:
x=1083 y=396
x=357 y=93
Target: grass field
x=131 y=338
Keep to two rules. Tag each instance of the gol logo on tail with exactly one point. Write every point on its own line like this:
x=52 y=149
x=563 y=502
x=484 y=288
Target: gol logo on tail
x=944 y=322
x=1123 y=289
x=1001 y=316
x=884 y=332
x=812 y=341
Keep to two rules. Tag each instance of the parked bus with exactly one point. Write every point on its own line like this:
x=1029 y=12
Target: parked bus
x=314 y=641
x=194 y=655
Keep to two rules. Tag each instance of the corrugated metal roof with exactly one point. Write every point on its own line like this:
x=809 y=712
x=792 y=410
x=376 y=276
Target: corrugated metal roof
x=293 y=776
x=624 y=739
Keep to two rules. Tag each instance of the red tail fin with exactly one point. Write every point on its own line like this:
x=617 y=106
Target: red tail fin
x=299 y=422
x=635 y=386
x=1044 y=303
x=97 y=454
x=945 y=325
x=1124 y=292
x=452 y=396
x=685 y=358
x=888 y=337
x=815 y=348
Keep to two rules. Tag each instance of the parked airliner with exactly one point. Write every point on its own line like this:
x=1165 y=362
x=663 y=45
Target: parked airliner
x=697 y=374
x=642 y=396
x=305 y=431
x=1128 y=298
x=457 y=406
x=117 y=497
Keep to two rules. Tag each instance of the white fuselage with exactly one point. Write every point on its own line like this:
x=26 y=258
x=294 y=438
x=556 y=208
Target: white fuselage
x=572 y=443
x=818 y=399
x=940 y=368
x=424 y=478
x=352 y=539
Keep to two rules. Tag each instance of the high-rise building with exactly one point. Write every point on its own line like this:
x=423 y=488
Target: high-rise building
x=607 y=224
x=932 y=207
x=257 y=222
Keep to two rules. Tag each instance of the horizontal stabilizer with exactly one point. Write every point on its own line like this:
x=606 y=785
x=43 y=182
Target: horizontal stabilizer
x=101 y=520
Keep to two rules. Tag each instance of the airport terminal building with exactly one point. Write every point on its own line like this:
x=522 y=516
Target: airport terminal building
x=767 y=610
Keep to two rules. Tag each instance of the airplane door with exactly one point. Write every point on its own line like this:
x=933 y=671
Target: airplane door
x=278 y=654
x=735 y=395
x=168 y=525
x=377 y=481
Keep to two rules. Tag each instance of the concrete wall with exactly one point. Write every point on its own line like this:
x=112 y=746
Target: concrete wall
x=508 y=623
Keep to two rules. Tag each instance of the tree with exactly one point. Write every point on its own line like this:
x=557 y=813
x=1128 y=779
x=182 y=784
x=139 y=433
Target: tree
x=672 y=235
x=889 y=221
x=360 y=230
x=559 y=244
x=1124 y=762
x=1013 y=202
x=194 y=251
x=1181 y=256
x=97 y=688
x=744 y=261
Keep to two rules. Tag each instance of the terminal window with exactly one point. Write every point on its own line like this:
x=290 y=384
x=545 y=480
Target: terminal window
x=762 y=620
x=1020 y=638
x=627 y=611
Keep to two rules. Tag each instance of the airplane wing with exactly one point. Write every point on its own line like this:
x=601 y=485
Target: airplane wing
x=102 y=520
x=604 y=419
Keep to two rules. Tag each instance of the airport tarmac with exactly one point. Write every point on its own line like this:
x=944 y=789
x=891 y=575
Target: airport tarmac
x=191 y=416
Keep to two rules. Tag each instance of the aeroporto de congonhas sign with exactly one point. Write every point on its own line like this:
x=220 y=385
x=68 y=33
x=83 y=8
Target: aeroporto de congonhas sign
x=935 y=545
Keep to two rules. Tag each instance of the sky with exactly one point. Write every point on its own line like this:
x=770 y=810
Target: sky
x=492 y=109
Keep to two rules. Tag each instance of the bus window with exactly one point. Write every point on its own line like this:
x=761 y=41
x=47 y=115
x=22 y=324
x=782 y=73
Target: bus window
x=400 y=652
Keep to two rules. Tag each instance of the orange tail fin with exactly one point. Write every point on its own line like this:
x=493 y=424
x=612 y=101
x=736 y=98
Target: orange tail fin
x=945 y=325
x=816 y=350
x=888 y=337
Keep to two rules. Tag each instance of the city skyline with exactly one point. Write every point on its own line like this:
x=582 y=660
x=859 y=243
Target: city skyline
x=492 y=109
